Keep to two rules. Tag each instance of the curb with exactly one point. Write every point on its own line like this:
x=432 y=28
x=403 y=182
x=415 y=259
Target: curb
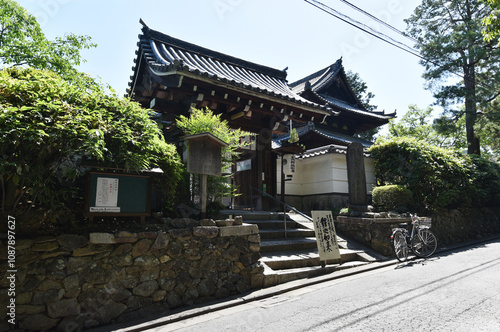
x=264 y=293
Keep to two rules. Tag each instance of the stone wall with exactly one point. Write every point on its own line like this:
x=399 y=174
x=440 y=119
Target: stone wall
x=73 y=282
x=450 y=227
x=373 y=233
x=455 y=226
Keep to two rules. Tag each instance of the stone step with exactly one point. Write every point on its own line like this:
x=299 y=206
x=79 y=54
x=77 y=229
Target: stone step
x=306 y=258
x=272 y=223
x=272 y=277
x=296 y=255
x=288 y=244
x=290 y=233
x=254 y=215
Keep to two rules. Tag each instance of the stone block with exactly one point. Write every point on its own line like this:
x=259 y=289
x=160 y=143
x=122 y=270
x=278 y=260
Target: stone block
x=23 y=244
x=72 y=241
x=207 y=222
x=162 y=240
x=254 y=238
x=110 y=310
x=209 y=232
x=92 y=250
x=38 y=322
x=146 y=261
x=102 y=238
x=238 y=230
x=63 y=308
x=26 y=309
x=45 y=246
x=224 y=223
x=159 y=295
x=126 y=237
x=140 y=248
x=249 y=259
x=238 y=221
x=183 y=234
x=146 y=288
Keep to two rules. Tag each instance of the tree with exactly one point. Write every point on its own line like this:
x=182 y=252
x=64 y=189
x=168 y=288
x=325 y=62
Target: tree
x=490 y=121
x=22 y=42
x=450 y=41
x=50 y=128
x=204 y=120
x=360 y=89
x=416 y=123
x=492 y=21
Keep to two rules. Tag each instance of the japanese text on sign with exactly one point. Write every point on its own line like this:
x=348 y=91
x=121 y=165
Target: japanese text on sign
x=326 y=237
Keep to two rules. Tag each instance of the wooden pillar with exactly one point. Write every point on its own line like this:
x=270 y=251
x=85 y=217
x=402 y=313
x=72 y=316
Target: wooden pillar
x=203 y=195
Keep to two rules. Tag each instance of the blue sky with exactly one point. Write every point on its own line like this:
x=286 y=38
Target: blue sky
x=275 y=33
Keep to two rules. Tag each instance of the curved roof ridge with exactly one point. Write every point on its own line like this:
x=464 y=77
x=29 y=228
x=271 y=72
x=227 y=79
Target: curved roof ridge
x=331 y=70
x=203 y=51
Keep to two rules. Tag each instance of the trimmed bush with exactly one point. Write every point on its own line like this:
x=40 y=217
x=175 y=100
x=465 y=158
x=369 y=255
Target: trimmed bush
x=392 y=198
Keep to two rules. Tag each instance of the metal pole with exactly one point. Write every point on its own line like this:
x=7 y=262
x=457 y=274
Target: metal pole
x=283 y=192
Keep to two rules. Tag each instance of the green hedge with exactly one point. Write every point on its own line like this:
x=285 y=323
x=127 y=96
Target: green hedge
x=49 y=126
x=437 y=177
x=392 y=198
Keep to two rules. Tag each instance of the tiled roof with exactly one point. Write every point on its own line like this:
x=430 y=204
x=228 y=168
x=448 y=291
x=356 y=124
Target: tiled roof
x=317 y=80
x=349 y=107
x=165 y=55
x=332 y=148
x=310 y=127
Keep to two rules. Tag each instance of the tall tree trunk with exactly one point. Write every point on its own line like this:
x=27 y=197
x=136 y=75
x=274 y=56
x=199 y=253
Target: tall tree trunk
x=473 y=146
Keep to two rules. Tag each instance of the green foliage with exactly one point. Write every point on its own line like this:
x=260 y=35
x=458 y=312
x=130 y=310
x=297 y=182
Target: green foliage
x=22 y=42
x=444 y=132
x=437 y=177
x=48 y=126
x=294 y=136
x=205 y=121
x=492 y=22
x=449 y=35
x=395 y=197
x=360 y=89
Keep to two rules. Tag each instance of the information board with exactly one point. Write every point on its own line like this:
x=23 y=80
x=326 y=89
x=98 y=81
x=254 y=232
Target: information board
x=326 y=237
x=118 y=194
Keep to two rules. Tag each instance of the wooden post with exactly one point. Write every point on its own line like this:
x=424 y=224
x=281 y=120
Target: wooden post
x=203 y=195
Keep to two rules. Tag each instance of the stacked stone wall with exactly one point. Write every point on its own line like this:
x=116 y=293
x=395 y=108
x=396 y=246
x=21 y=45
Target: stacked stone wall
x=450 y=227
x=74 y=282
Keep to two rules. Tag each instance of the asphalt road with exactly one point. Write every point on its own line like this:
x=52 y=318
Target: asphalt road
x=453 y=291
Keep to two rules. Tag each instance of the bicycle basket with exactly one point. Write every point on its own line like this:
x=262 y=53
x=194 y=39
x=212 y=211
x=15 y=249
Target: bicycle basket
x=423 y=222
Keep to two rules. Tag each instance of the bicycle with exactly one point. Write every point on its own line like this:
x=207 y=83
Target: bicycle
x=421 y=240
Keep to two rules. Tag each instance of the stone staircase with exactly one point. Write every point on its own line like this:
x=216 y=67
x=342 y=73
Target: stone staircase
x=293 y=254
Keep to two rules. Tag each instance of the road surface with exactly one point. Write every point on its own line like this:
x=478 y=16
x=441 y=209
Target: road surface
x=453 y=291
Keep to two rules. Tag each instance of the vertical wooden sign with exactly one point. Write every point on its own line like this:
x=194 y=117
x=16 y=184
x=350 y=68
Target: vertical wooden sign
x=326 y=237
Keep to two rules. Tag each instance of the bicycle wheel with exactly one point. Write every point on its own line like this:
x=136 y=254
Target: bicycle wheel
x=424 y=243
x=400 y=246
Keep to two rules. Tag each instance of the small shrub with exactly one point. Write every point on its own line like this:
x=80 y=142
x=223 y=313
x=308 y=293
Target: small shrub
x=392 y=198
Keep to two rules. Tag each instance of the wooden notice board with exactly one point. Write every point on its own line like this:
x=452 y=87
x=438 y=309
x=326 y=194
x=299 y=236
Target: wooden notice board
x=326 y=237
x=110 y=194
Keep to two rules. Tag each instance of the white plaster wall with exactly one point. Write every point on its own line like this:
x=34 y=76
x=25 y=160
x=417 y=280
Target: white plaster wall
x=322 y=174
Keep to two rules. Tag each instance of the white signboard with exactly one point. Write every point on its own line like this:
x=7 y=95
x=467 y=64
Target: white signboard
x=326 y=237
x=244 y=165
x=107 y=193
